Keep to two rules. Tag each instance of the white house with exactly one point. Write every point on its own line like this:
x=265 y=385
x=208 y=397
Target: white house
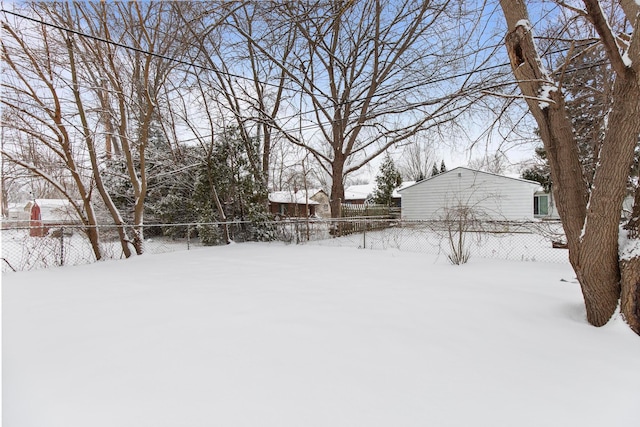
x=489 y=196
x=544 y=206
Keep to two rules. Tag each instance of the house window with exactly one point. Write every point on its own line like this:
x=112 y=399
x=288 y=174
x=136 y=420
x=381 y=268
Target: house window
x=541 y=205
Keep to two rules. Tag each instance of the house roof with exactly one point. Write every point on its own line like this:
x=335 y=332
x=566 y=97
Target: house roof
x=15 y=206
x=364 y=191
x=405 y=184
x=301 y=197
x=359 y=192
x=525 y=181
x=54 y=209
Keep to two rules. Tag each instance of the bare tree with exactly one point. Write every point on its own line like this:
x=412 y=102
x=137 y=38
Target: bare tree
x=590 y=217
x=34 y=96
x=416 y=161
x=495 y=163
x=367 y=76
x=99 y=75
x=248 y=89
x=128 y=85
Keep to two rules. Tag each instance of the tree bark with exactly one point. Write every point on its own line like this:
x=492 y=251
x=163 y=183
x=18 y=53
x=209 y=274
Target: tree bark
x=599 y=258
x=630 y=271
x=630 y=292
x=590 y=220
x=555 y=127
x=95 y=169
x=337 y=187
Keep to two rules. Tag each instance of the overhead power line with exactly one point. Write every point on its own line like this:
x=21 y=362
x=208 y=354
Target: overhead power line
x=132 y=48
x=253 y=80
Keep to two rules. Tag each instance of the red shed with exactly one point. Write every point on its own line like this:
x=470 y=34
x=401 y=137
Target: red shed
x=47 y=213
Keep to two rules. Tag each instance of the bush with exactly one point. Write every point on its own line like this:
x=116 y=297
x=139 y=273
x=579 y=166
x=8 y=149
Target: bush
x=210 y=234
x=262 y=227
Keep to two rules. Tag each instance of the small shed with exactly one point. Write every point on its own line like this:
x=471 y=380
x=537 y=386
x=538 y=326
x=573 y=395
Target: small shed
x=47 y=213
x=300 y=203
x=489 y=196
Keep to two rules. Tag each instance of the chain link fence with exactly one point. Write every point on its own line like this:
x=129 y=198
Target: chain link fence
x=30 y=248
x=519 y=241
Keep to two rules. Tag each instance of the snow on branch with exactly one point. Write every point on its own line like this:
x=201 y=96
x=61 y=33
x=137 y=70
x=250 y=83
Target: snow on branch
x=628 y=248
x=524 y=23
x=545 y=95
x=601 y=24
x=541 y=100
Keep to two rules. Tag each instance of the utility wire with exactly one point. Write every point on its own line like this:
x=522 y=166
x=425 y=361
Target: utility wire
x=238 y=76
x=128 y=47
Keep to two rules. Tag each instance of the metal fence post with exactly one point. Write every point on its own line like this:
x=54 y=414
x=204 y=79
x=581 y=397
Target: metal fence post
x=61 y=246
x=364 y=238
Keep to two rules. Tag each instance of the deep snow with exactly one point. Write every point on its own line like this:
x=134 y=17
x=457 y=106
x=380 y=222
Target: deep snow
x=274 y=335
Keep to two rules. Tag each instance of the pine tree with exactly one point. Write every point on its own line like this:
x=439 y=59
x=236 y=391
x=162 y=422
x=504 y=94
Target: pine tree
x=540 y=172
x=387 y=180
x=443 y=168
x=588 y=98
x=224 y=175
x=435 y=171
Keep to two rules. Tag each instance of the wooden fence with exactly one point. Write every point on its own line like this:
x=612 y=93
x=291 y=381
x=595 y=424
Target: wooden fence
x=360 y=218
x=368 y=210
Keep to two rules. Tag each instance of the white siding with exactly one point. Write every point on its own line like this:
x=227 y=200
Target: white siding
x=491 y=196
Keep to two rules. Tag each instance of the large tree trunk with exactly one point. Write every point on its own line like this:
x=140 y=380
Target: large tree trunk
x=599 y=271
x=337 y=186
x=92 y=231
x=555 y=127
x=630 y=268
x=630 y=294
x=590 y=220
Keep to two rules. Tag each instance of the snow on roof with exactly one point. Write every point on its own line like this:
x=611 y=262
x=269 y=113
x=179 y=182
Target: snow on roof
x=364 y=191
x=405 y=184
x=15 y=206
x=54 y=209
x=358 y=192
x=300 y=197
x=527 y=181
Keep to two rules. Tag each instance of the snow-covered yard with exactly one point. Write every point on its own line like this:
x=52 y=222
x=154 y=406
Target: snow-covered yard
x=274 y=335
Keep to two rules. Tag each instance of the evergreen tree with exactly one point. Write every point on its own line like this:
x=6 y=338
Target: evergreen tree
x=443 y=168
x=225 y=189
x=588 y=92
x=387 y=180
x=170 y=191
x=435 y=171
x=190 y=184
x=540 y=172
